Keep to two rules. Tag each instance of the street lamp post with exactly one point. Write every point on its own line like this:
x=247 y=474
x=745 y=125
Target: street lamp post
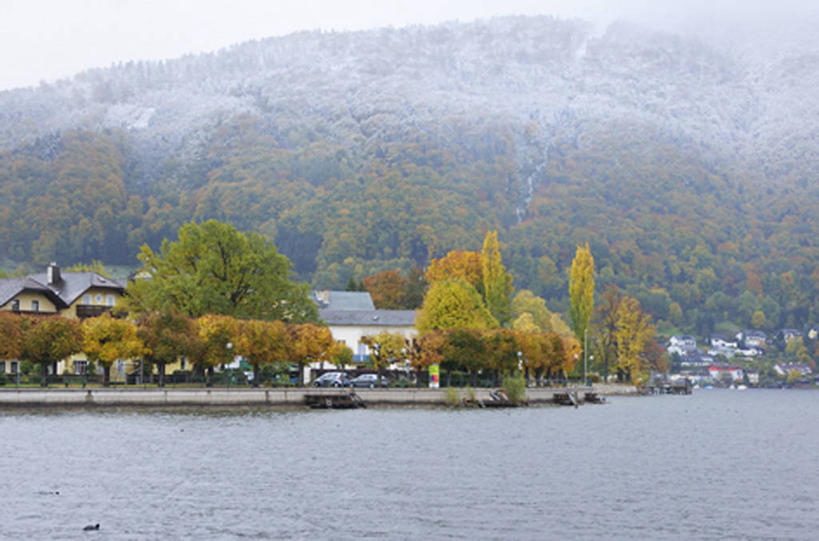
x=230 y=359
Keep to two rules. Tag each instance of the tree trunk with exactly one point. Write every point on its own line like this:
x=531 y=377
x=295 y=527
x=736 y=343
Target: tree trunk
x=106 y=374
x=473 y=376
x=209 y=382
x=44 y=375
x=449 y=378
x=300 y=379
x=256 y=372
x=160 y=367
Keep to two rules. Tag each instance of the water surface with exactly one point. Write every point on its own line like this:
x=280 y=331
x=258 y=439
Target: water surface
x=715 y=465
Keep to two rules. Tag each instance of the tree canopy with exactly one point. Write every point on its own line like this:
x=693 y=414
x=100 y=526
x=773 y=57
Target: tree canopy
x=215 y=269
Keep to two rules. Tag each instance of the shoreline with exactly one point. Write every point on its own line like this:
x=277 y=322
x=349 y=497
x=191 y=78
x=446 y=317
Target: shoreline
x=101 y=398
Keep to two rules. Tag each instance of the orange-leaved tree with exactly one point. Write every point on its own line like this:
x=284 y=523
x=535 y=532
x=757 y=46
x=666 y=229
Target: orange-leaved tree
x=167 y=336
x=261 y=343
x=49 y=340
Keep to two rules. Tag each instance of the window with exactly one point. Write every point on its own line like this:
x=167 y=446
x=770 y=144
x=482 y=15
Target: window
x=183 y=363
x=2 y=367
x=80 y=368
x=35 y=306
x=109 y=300
x=15 y=305
x=86 y=299
x=98 y=298
x=14 y=367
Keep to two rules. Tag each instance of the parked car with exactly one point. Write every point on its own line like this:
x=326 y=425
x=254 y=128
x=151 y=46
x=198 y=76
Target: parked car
x=332 y=379
x=369 y=380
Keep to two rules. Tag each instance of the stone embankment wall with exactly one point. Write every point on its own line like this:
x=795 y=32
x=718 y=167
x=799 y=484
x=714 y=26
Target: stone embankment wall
x=99 y=397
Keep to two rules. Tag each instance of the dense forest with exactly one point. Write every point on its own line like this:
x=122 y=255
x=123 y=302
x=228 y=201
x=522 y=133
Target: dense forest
x=691 y=172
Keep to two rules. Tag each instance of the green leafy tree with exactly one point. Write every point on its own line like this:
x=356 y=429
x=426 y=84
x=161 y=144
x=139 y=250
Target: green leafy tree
x=581 y=291
x=215 y=269
x=49 y=340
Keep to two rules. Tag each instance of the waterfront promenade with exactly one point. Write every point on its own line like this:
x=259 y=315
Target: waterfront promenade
x=154 y=397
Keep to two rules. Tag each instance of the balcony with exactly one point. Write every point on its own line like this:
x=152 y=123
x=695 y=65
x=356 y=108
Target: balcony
x=91 y=310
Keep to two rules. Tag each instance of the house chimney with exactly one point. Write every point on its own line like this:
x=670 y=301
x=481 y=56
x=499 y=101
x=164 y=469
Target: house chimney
x=53 y=274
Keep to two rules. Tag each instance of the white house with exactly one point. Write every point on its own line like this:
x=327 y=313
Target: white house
x=681 y=344
x=351 y=315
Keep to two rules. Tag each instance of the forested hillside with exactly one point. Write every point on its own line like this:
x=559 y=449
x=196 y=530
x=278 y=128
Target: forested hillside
x=692 y=172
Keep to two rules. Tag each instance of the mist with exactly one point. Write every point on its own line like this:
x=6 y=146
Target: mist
x=53 y=39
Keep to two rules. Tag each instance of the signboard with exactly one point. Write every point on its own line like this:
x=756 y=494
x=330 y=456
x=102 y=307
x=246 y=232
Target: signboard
x=434 y=376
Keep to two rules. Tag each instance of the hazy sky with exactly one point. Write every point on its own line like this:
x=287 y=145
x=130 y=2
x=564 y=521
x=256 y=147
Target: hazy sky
x=50 y=39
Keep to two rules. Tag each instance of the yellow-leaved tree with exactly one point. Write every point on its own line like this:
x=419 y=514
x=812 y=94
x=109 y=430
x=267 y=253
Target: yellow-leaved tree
x=581 y=291
x=217 y=335
x=634 y=331
x=453 y=304
x=497 y=283
x=261 y=343
x=107 y=339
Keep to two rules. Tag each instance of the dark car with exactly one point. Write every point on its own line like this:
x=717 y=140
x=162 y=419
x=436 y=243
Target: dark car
x=332 y=379
x=369 y=380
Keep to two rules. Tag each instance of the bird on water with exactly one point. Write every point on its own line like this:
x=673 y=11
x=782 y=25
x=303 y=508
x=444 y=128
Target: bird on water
x=91 y=528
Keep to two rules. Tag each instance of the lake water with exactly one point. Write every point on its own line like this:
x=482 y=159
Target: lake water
x=715 y=465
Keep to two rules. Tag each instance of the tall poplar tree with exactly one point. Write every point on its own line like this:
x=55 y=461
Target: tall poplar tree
x=497 y=283
x=581 y=291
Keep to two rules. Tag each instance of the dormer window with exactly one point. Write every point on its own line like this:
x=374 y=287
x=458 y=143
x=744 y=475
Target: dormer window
x=15 y=305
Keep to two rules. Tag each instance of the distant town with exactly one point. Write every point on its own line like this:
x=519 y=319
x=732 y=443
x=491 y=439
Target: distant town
x=746 y=357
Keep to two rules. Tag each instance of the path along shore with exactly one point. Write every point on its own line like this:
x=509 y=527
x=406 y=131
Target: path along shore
x=170 y=397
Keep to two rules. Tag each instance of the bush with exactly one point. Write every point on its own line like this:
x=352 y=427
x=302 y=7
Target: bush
x=515 y=388
x=2 y=378
x=452 y=397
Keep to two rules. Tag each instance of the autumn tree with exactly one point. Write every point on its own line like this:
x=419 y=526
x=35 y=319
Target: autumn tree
x=606 y=316
x=385 y=347
x=262 y=343
x=107 y=339
x=581 y=291
x=49 y=340
x=634 y=331
x=215 y=332
x=308 y=342
x=497 y=283
x=387 y=289
x=167 y=336
x=453 y=304
x=457 y=264
x=215 y=269
x=11 y=335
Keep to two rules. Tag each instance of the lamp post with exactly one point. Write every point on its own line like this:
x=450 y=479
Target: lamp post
x=585 y=353
x=230 y=360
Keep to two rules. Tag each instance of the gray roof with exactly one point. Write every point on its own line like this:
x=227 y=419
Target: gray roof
x=368 y=318
x=11 y=287
x=344 y=300
x=74 y=284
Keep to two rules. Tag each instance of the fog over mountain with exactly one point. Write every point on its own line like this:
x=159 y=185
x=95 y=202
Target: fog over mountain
x=358 y=151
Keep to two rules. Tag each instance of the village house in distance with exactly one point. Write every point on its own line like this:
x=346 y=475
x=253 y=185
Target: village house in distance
x=74 y=295
x=351 y=315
